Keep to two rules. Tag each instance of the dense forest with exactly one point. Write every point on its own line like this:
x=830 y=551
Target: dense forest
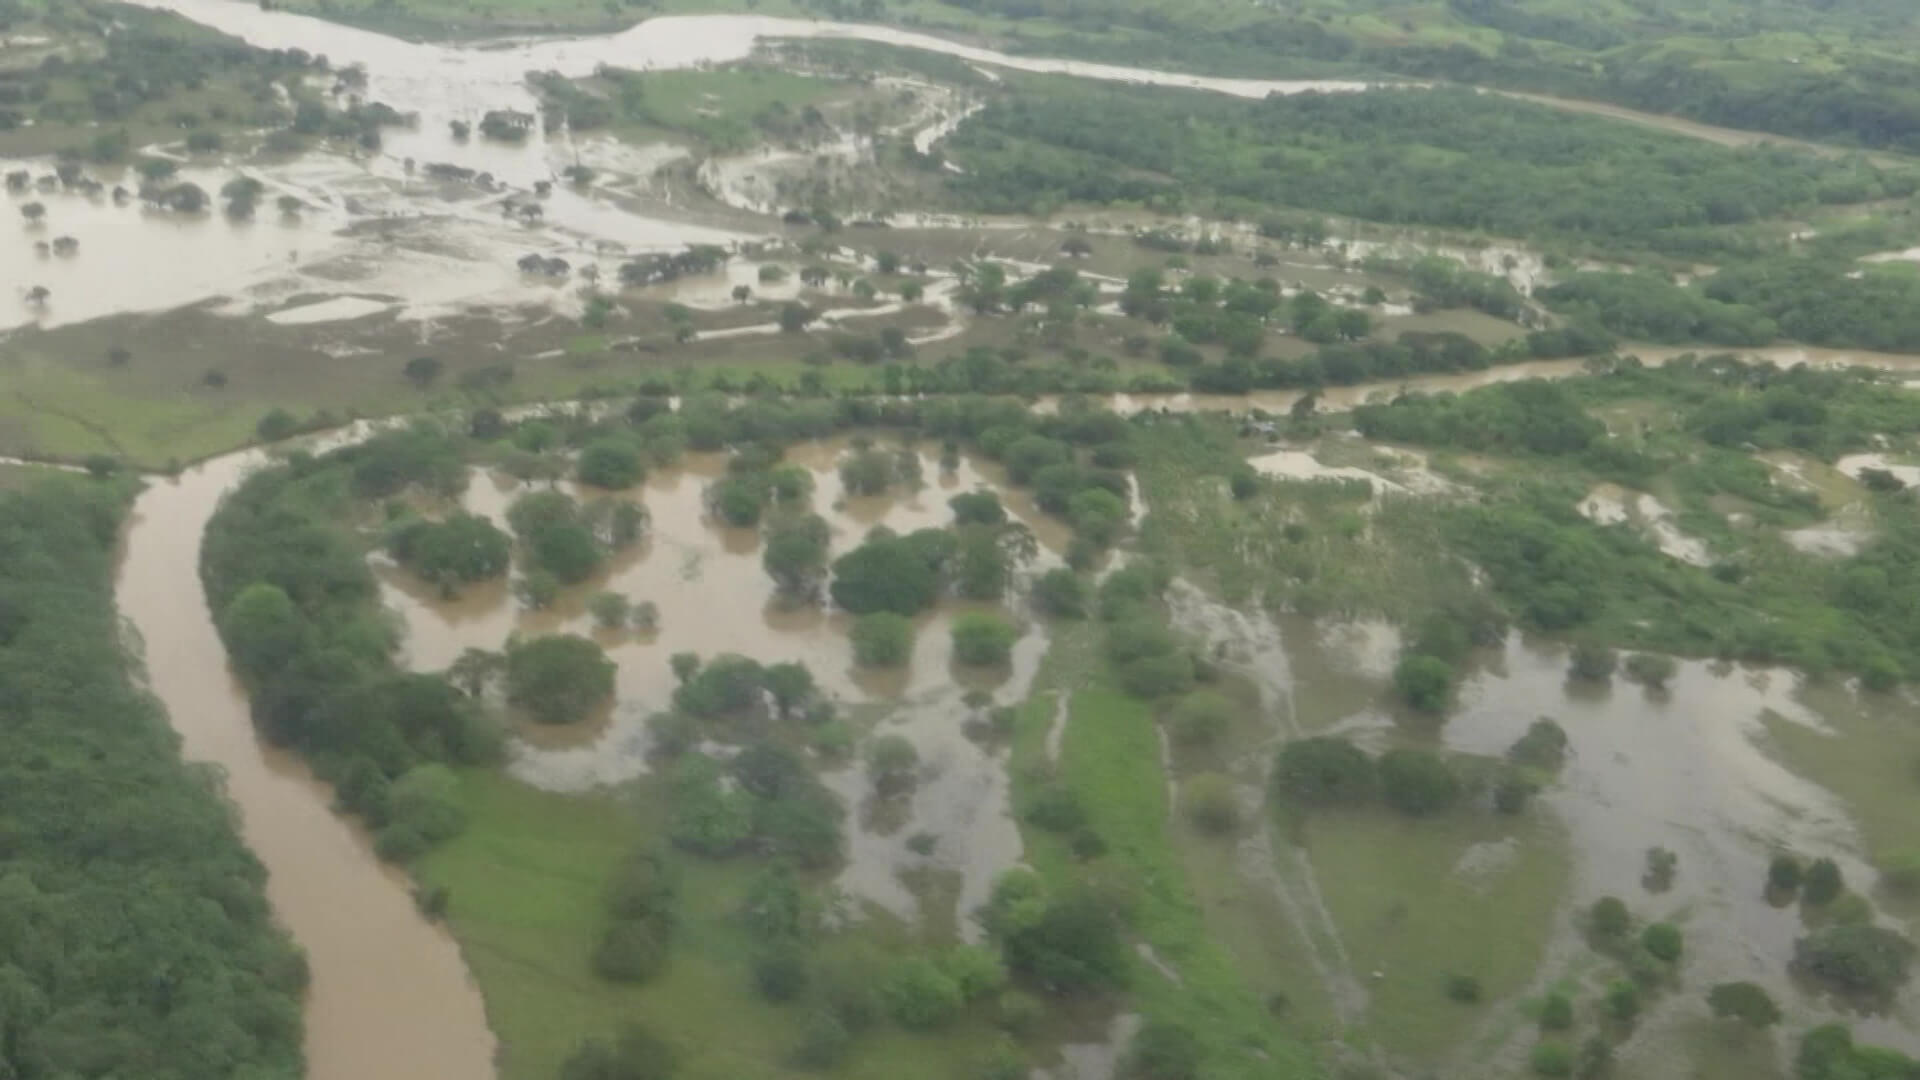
x=1452 y=159
x=135 y=938
x=1849 y=88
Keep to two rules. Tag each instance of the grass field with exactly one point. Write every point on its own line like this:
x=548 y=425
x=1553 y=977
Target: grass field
x=527 y=881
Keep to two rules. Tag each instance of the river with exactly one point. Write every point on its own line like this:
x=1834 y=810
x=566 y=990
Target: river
x=390 y=997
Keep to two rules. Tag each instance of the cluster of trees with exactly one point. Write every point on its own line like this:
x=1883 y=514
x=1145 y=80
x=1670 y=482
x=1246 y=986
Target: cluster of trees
x=1816 y=300
x=141 y=61
x=1329 y=771
x=1555 y=570
x=299 y=611
x=458 y=550
x=565 y=543
x=658 y=268
x=137 y=938
x=1434 y=157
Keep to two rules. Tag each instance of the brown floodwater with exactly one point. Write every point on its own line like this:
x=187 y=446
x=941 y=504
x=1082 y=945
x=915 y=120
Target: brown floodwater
x=390 y=997
x=714 y=597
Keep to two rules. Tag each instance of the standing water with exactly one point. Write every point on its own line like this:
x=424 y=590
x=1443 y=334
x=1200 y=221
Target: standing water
x=390 y=997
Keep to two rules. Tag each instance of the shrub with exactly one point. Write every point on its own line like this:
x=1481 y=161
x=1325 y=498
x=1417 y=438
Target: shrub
x=610 y=610
x=1861 y=959
x=1211 y=804
x=1556 y=1012
x=1056 y=808
x=1324 y=770
x=1544 y=746
x=1591 y=662
x=1744 y=1001
x=882 y=639
x=1551 y=1059
x=1424 y=682
x=631 y=951
x=780 y=971
x=1609 y=919
x=613 y=464
x=635 y=1054
x=1159 y=676
x=1663 y=941
x=1464 y=989
x=1784 y=874
x=1417 y=783
x=983 y=640
x=891 y=761
x=920 y=996
x=1623 y=1000
x=1823 y=883
x=1651 y=670
x=1061 y=593
x=1201 y=718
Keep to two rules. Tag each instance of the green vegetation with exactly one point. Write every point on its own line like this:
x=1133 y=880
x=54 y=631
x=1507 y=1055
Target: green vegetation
x=558 y=679
x=120 y=858
x=1454 y=159
x=299 y=611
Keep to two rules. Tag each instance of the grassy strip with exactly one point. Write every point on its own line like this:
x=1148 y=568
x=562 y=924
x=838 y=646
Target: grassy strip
x=1110 y=758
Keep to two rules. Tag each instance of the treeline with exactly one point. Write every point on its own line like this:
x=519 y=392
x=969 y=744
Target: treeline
x=299 y=610
x=135 y=937
x=1872 y=102
x=1832 y=302
x=1435 y=157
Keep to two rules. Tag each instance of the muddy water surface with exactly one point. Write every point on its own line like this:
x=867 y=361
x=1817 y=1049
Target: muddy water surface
x=390 y=997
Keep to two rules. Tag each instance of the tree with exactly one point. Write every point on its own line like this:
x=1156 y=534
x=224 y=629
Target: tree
x=1324 y=771
x=884 y=574
x=1424 y=682
x=795 y=556
x=1784 y=874
x=34 y=212
x=1663 y=941
x=1609 y=919
x=421 y=371
x=474 y=669
x=1591 y=662
x=462 y=549
x=610 y=610
x=983 y=640
x=1860 y=959
x=1823 y=884
x=983 y=567
x=1417 y=783
x=610 y=463
x=1060 y=593
x=794 y=317
x=558 y=679
x=263 y=630
x=790 y=684
x=882 y=639
x=977 y=508
x=276 y=425
x=1744 y=1001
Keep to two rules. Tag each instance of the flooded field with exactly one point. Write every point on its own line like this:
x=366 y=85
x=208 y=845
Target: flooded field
x=714 y=598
